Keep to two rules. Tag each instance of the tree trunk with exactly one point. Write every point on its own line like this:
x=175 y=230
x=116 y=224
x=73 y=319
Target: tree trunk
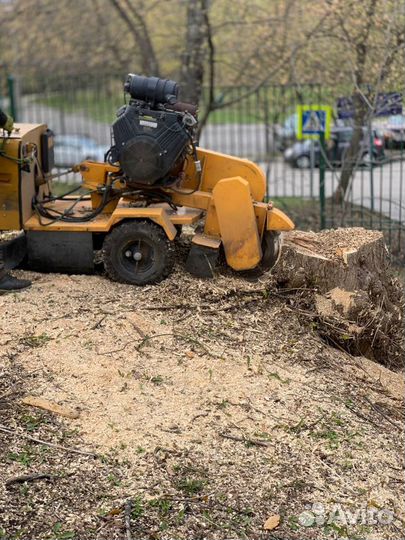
x=192 y=70
x=353 y=154
x=361 y=47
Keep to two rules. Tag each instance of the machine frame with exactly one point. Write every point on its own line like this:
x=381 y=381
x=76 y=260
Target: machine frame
x=226 y=197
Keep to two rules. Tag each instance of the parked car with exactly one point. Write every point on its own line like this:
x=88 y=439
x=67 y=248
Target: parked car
x=299 y=154
x=393 y=131
x=285 y=134
x=72 y=149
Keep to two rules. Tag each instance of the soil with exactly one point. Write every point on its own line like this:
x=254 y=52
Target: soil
x=210 y=406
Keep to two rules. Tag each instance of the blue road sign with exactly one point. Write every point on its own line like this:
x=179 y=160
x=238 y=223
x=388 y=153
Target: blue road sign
x=313 y=120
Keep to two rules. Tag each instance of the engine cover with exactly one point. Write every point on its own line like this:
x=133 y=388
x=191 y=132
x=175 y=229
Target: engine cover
x=148 y=143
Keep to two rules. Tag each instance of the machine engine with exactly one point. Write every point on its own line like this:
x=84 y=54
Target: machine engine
x=153 y=133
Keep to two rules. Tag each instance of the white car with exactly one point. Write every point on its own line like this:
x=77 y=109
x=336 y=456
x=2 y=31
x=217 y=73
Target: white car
x=394 y=131
x=70 y=150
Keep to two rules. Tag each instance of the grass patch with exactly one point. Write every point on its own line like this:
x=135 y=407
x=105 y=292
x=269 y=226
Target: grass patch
x=25 y=457
x=94 y=105
x=32 y=422
x=190 y=486
x=157 y=380
x=35 y=341
x=60 y=534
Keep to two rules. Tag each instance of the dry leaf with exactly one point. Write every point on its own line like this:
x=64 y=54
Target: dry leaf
x=272 y=522
x=114 y=512
x=190 y=354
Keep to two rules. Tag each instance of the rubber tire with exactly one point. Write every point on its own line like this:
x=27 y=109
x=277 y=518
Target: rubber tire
x=138 y=230
x=271 y=247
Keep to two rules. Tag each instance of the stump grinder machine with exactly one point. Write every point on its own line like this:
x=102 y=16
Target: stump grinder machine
x=132 y=207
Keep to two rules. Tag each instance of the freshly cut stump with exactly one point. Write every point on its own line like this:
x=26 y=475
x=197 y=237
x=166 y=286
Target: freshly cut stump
x=347 y=258
x=357 y=302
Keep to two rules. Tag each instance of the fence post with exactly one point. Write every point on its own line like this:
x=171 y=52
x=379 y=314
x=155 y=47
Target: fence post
x=2 y=89
x=322 y=166
x=370 y=151
x=12 y=96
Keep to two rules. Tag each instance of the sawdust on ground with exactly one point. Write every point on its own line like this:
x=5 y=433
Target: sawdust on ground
x=225 y=379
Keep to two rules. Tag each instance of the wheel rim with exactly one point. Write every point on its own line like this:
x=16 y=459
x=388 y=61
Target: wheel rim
x=137 y=256
x=303 y=162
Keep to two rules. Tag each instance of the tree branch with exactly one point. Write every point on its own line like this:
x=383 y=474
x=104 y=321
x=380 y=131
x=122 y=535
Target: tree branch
x=149 y=63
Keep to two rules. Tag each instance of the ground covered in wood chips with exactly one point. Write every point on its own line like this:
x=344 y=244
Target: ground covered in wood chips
x=206 y=407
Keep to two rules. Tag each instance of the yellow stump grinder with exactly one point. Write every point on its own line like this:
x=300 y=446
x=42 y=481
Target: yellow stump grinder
x=132 y=207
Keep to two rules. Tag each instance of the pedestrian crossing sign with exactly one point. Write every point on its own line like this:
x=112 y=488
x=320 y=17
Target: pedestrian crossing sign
x=313 y=120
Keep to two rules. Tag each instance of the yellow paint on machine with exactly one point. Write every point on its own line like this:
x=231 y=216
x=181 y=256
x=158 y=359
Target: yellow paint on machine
x=18 y=184
x=278 y=221
x=9 y=196
x=216 y=166
x=104 y=222
x=237 y=223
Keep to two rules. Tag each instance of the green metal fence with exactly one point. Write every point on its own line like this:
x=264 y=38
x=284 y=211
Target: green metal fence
x=258 y=124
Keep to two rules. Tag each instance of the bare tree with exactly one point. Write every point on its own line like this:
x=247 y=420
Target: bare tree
x=358 y=40
x=197 y=41
x=130 y=12
x=360 y=48
x=110 y=42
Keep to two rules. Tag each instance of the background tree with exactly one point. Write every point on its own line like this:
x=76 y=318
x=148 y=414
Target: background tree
x=211 y=43
x=369 y=36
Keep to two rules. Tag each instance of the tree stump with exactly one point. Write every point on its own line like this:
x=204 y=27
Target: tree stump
x=356 y=301
x=346 y=258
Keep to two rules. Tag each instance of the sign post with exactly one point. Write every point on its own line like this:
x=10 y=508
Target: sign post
x=322 y=167
x=314 y=122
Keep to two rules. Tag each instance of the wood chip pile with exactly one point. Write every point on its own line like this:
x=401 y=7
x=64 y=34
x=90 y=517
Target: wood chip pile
x=206 y=409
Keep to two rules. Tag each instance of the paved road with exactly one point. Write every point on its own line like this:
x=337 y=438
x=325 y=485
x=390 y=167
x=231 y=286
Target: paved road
x=242 y=140
x=383 y=187
x=65 y=123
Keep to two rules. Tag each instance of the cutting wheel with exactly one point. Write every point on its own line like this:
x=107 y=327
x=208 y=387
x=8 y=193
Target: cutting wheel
x=271 y=246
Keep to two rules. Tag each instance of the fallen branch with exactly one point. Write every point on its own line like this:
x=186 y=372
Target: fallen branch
x=177 y=336
x=40 y=403
x=97 y=324
x=120 y=349
x=46 y=443
x=169 y=307
x=127 y=517
x=245 y=440
x=363 y=417
x=27 y=478
x=200 y=415
x=381 y=413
